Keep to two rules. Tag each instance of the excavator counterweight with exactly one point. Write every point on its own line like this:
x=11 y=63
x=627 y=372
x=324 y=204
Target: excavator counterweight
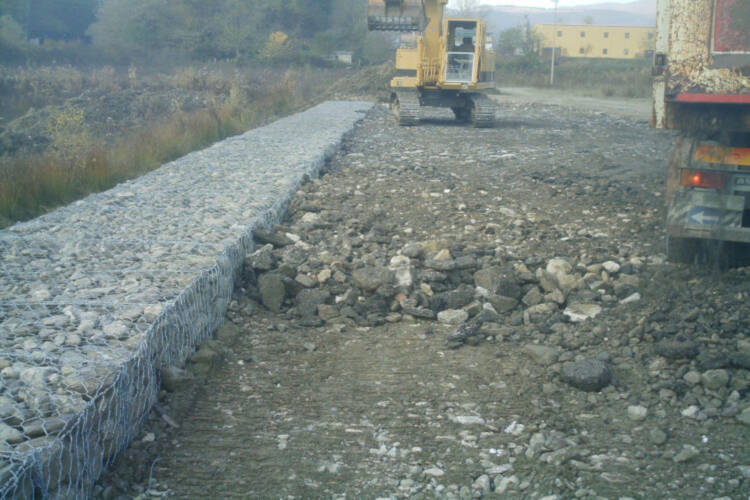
x=396 y=15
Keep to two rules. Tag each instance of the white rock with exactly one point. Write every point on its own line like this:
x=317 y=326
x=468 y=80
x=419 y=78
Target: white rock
x=310 y=218
x=691 y=411
x=578 y=313
x=40 y=294
x=631 y=298
x=404 y=277
x=515 y=429
x=434 y=472
x=611 y=267
x=399 y=261
x=443 y=254
x=559 y=266
x=452 y=316
x=637 y=413
x=324 y=275
x=116 y=329
x=468 y=420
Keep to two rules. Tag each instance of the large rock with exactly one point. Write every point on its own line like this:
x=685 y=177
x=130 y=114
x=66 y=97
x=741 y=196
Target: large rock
x=371 y=277
x=263 y=259
x=561 y=270
x=497 y=281
x=581 y=312
x=676 y=349
x=542 y=354
x=589 y=374
x=458 y=298
x=272 y=291
x=308 y=301
x=502 y=304
x=10 y=434
x=276 y=239
x=715 y=379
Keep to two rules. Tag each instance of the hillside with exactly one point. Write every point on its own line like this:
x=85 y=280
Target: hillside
x=640 y=13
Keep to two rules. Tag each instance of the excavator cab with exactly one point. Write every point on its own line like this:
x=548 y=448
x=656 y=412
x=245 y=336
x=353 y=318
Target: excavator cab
x=396 y=15
x=461 y=51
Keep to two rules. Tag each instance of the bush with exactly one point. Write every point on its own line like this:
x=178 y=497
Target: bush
x=13 y=44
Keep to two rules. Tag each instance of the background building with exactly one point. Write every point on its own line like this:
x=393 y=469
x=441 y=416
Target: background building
x=614 y=42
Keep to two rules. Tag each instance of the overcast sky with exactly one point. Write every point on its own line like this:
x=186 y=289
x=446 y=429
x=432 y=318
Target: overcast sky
x=544 y=3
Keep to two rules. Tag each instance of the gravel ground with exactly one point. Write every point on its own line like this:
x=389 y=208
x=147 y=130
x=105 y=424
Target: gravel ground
x=457 y=313
x=97 y=296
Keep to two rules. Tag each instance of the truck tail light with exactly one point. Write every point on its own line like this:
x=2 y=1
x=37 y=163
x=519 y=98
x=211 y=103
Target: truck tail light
x=701 y=179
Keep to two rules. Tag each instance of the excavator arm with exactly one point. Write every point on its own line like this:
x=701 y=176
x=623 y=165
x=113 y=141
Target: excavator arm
x=403 y=15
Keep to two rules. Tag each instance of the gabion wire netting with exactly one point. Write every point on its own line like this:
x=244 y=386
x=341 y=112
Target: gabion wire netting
x=96 y=298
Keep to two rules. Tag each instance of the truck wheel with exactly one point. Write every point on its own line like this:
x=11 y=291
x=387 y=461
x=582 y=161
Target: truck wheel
x=680 y=250
x=694 y=251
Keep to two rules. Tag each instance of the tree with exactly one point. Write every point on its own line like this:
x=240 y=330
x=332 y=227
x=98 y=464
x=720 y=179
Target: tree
x=588 y=20
x=520 y=40
x=467 y=7
x=62 y=20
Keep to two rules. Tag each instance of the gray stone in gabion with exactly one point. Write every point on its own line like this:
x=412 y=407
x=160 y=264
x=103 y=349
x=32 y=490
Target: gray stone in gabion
x=272 y=291
x=589 y=375
x=10 y=434
x=741 y=360
x=715 y=379
x=371 y=278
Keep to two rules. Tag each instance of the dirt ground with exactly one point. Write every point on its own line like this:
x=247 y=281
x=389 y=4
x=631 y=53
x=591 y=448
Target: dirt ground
x=424 y=344
x=637 y=109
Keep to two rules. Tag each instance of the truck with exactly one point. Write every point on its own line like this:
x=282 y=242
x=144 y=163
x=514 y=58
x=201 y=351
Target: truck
x=450 y=62
x=702 y=90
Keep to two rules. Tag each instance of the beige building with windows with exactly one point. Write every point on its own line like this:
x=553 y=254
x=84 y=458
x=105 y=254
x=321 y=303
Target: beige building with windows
x=613 y=42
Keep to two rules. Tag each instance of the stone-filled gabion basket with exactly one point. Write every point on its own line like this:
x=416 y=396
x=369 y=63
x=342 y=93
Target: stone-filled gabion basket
x=96 y=298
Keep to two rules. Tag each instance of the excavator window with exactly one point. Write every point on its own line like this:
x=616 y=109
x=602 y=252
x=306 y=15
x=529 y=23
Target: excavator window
x=462 y=36
x=461 y=51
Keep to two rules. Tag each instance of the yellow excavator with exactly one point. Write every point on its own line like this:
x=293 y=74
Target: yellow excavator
x=449 y=63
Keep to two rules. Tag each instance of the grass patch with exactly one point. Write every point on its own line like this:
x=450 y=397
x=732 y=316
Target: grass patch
x=77 y=164
x=601 y=77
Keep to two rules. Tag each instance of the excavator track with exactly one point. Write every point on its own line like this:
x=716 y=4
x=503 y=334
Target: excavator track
x=405 y=107
x=482 y=111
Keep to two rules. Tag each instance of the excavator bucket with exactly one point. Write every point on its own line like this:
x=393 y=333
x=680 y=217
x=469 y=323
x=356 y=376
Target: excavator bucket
x=396 y=15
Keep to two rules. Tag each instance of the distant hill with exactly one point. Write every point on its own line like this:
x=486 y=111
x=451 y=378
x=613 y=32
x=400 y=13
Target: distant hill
x=638 y=13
